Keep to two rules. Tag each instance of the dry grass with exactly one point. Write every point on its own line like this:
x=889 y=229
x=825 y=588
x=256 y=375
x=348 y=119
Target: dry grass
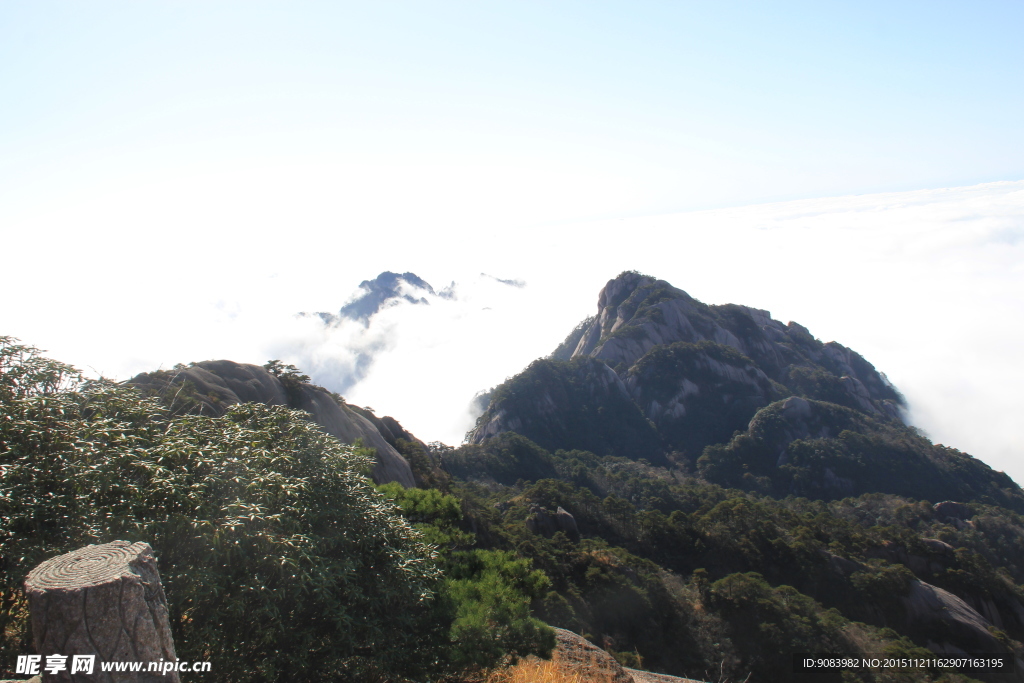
x=536 y=671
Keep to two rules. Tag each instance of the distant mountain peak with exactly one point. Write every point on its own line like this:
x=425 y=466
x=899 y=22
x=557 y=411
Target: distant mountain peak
x=391 y=289
x=385 y=290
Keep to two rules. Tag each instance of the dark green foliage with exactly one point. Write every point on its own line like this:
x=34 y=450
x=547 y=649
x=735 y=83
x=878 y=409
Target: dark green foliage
x=698 y=627
x=425 y=469
x=485 y=595
x=854 y=556
x=768 y=624
x=852 y=454
x=24 y=373
x=713 y=572
x=704 y=377
x=664 y=365
x=435 y=514
x=820 y=384
x=698 y=392
x=717 y=583
x=575 y=404
x=506 y=459
x=489 y=594
x=291 y=378
x=285 y=372
x=882 y=583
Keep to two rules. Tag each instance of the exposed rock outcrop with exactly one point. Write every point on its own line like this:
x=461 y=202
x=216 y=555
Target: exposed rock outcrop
x=952 y=510
x=651 y=677
x=578 y=655
x=637 y=313
x=210 y=387
x=544 y=523
x=384 y=290
x=948 y=618
x=567 y=523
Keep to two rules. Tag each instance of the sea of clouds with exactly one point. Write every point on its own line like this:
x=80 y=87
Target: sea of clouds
x=927 y=285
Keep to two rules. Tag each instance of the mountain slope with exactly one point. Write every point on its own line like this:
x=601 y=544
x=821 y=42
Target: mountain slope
x=582 y=402
x=824 y=451
x=210 y=387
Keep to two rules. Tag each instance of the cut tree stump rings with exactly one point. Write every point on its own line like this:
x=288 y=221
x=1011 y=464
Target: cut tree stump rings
x=103 y=600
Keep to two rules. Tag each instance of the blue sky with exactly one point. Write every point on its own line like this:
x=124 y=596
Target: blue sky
x=177 y=179
x=695 y=105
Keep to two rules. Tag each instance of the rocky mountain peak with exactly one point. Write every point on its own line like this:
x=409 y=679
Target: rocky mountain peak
x=637 y=313
x=384 y=290
x=695 y=372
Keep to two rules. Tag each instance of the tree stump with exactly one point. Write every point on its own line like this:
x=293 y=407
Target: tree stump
x=103 y=600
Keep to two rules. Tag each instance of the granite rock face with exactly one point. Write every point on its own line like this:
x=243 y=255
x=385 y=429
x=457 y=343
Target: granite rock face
x=211 y=387
x=544 y=523
x=577 y=659
x=637 y=313
x=579 y=656
x=933 y=609
x=952 y=510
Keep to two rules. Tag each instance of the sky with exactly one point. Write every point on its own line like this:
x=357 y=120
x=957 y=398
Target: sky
x=177 y=180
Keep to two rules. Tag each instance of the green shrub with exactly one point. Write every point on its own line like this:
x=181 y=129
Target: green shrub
x=489 y=594
x=486 y=595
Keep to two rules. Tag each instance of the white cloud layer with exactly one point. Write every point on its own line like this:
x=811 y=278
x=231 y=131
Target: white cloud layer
x=927 y=285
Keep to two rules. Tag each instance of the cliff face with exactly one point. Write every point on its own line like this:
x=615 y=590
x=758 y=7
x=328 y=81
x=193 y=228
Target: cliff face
x=212 y=386
x=637 y=314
